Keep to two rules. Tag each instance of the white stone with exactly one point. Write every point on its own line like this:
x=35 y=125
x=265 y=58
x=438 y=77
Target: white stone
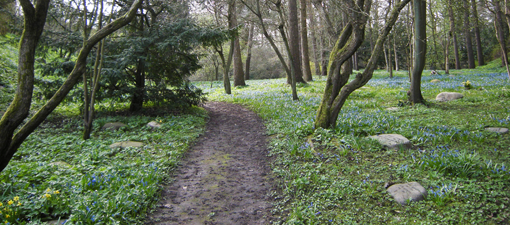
x=392 y=108
x=412 y=191
x=435 y=81
x=499 y=130
x=393 y=141
x=154 y=124
x=448 y=96
x=126 y=144
x=113 y=126
x=60 y=164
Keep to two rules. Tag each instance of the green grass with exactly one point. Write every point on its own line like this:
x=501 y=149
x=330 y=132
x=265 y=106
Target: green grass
x=337 y=176
x=55 y=175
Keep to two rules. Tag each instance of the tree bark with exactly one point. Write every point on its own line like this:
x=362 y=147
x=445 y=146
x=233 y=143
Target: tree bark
x=420 y=29
x=35 y=18
x=248 y=54
x=454 y=35
x=500 y=34
x=307 y=72
x=447 y=53
x=324 y=57
x=294 y=43
x=315 y=50
x=467 y=34
x=238 y=62
x=395 y=53
x=292 y=68
x=479 y=48
x=89 y=102
x=433 y=27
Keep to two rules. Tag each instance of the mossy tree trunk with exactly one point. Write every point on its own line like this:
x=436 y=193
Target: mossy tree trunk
x=10 y=137
x=337 y=89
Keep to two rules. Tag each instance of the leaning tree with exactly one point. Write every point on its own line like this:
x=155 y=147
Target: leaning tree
x=338 y=88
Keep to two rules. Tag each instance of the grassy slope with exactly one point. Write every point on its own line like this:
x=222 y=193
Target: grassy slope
x=337 y=176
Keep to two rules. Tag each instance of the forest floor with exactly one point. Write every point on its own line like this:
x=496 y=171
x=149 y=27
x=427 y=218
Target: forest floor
x=225 y=178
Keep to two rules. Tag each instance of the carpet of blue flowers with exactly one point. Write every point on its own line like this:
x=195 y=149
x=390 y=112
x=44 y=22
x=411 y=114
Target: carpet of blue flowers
x=337 y=176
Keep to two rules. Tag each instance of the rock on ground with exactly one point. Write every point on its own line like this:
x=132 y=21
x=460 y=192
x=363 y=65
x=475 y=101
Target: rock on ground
x=113 y=126
x=499 y=130
x=154 y=124
x=402 y=193
x=126 y=144
x=448 y=96
x=225 y=178
x=393 y=141
x=435 y=81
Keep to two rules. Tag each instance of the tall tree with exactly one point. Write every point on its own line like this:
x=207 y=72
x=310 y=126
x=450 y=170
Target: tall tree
x=454 y=35
x=294 y=44
x=420 y=50
x=447 y=52
x=89 y=100
x=478 y=40
x=313 y=27
x=337 y=89
x=256 y=10
x=307 y=72
x=467 y=35
x=238 y=61
x=11 y=135
x=501 y=34
x=249 y=46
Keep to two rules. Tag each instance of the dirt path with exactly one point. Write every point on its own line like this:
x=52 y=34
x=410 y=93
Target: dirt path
x=225 y=178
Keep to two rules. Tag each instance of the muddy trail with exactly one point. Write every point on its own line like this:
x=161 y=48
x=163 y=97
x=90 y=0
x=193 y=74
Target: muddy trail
x=225 y=178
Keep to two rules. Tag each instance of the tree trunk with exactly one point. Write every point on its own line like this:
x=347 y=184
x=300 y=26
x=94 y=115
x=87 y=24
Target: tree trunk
x=238 y=62
x=313 y=26
x=467 y=34
x=447 y=53
x=479 y=48
x=337 y=89
x=292 y=68
x=307 y=72
x=89 y=106
x=35 y=18
x=258 y=13
x=410 y=13
x=138 y=94
x=434 y=39
x=395 y=53
x=500 y=34
x=420 y=29
x=324 y=57
x=248 y=54
x=390 y=63
x=454 y=35
x=294 y=44
x=355 y=65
